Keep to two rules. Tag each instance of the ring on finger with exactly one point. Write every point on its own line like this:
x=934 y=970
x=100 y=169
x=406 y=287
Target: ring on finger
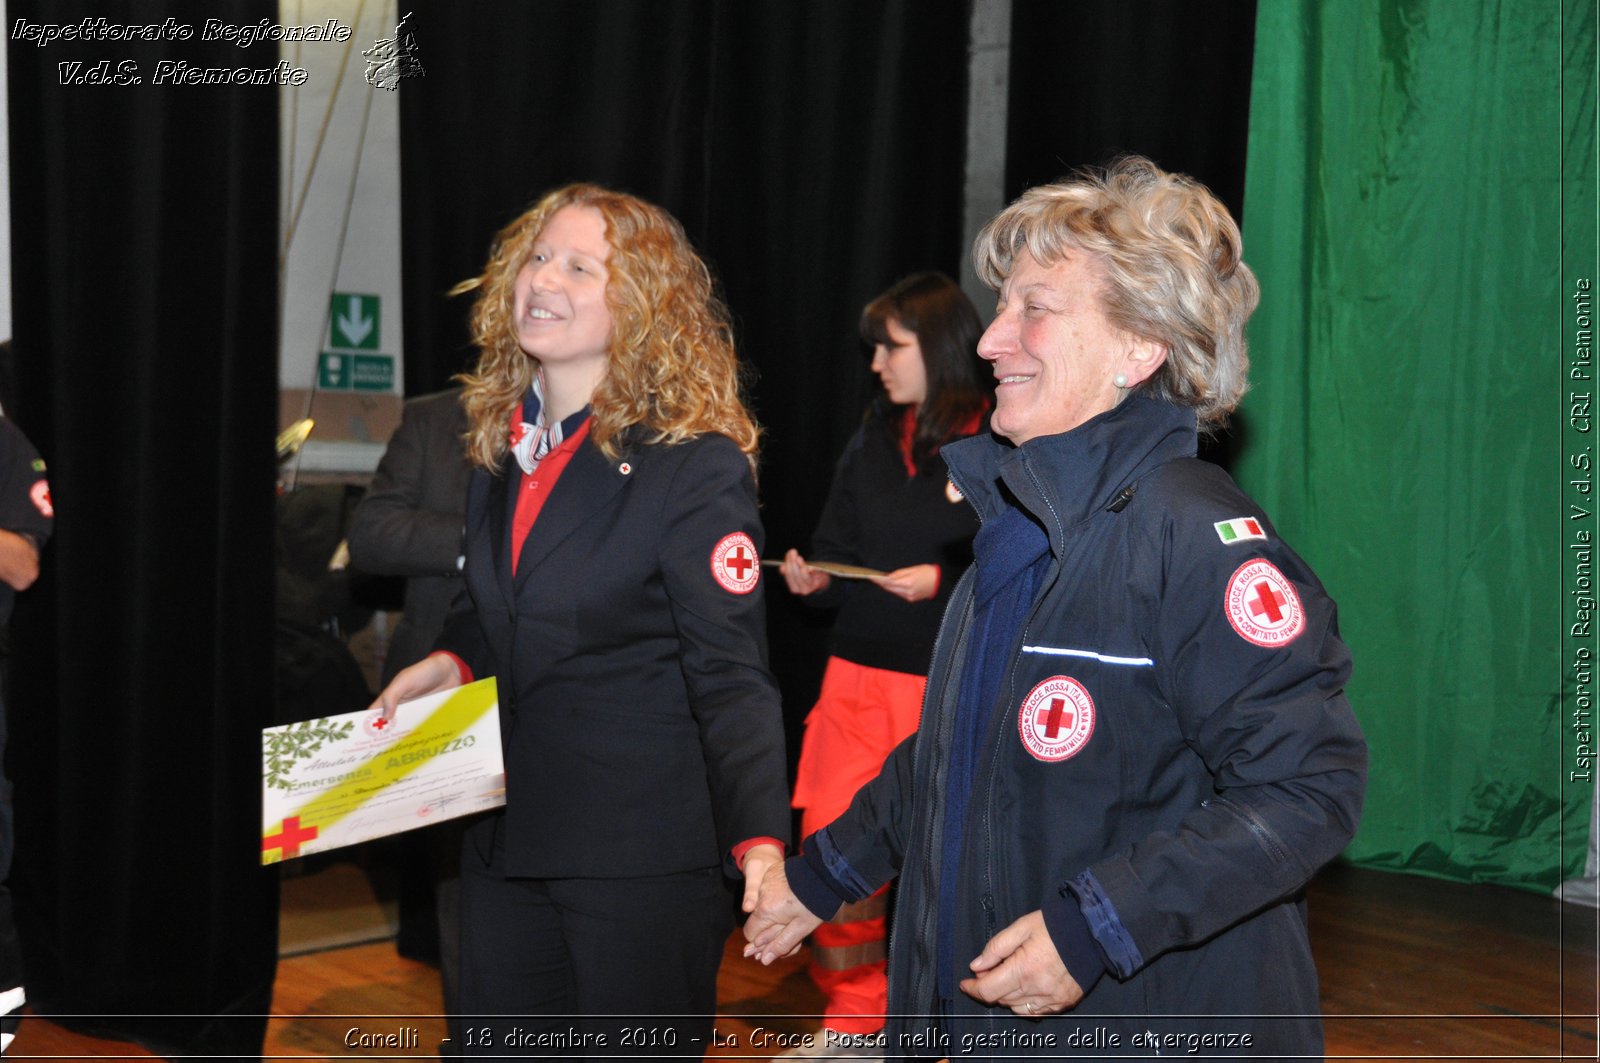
x=1032 y=1007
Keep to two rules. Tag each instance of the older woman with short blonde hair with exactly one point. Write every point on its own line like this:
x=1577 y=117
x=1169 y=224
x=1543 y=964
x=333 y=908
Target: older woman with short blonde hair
x=1135 y=748
x=1170 y=262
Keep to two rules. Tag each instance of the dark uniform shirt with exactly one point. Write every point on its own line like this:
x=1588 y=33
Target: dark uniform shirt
x=24 y=497
x=880 y=517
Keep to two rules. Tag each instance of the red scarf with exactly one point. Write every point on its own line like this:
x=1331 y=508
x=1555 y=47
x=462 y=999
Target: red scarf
x=533 y=488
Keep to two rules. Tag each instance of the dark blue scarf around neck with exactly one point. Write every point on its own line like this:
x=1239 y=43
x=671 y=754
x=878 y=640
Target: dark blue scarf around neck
x=1011 y=552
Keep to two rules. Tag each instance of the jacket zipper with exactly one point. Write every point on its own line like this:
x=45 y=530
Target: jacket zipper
x=921 y=990
x=987 y=900
x=1248 y=816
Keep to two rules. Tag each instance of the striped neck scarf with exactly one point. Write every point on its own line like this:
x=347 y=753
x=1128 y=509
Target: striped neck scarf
x=531 y=436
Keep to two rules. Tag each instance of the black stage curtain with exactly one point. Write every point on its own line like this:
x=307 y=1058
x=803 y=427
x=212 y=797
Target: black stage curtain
x=144 y=263
x=1093 y=79
x=1168 y=79
x=813 y=151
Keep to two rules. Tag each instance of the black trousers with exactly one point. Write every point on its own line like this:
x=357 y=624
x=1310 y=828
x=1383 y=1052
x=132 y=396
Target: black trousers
x=11 y=993
x=586 y=968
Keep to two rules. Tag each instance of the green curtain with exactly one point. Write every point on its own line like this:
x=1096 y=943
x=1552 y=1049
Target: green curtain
x=1409 y=426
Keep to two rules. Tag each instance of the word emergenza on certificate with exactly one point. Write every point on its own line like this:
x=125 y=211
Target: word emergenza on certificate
x=345 y=779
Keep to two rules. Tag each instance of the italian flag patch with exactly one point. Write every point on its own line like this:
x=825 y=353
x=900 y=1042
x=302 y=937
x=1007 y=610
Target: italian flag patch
x=1239 y=529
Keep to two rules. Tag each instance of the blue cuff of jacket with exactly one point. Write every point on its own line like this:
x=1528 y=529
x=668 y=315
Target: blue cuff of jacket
x=821 y=878
x=1069 y=932
x=1121 y=953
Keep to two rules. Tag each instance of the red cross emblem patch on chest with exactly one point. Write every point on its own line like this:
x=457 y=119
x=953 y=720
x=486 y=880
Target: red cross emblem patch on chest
x=1056 y=719
x=735 y=564
x=1263 y=606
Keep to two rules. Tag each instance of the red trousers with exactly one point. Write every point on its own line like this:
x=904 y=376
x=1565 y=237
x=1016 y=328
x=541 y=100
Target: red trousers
x=860 y=716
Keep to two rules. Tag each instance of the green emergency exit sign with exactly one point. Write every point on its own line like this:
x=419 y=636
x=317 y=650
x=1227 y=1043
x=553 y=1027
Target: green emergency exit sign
x=353 y=321
x=341 y=371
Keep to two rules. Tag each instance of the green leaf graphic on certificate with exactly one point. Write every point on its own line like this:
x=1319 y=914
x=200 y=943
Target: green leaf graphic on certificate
x=282 y=749
x=343 y=779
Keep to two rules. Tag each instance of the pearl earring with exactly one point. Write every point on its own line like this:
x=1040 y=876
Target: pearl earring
x=1120 y=381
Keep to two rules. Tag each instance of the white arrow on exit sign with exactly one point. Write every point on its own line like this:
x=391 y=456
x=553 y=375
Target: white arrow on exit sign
x=355 y=320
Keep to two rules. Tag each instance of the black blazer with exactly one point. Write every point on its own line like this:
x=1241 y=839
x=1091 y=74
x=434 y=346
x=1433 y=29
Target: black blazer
x=643 y=731
x=409 y=522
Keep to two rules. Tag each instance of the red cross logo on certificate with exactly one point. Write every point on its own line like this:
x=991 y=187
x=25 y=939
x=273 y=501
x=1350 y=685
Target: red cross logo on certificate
x=375 y=725
x=290 y=835
x=735 y=564
x=1056 y=719
x=1263 y=606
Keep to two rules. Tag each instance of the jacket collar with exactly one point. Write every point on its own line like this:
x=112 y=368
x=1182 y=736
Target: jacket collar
x=588 y=483
x=1064 y=479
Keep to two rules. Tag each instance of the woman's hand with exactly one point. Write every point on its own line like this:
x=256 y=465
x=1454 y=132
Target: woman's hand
x=916 y=583
x=801 y=577
x=778 y=922
x=1020 y=969
x=430 y=675
x=757 y=860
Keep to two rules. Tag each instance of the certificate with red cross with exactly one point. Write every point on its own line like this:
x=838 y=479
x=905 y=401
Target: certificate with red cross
x=344 y=779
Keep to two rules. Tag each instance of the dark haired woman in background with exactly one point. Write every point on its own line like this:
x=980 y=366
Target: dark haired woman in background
x=892 y=508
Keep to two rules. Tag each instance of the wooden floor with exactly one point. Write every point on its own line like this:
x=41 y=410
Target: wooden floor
x=1411 y=969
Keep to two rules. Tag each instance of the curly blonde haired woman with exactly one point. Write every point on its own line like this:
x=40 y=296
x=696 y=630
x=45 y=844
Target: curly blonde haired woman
x=612 y=571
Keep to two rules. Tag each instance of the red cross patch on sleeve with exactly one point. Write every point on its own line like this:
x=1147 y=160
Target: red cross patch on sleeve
x=1262 y=605
x=735 y=564
x=40 y=493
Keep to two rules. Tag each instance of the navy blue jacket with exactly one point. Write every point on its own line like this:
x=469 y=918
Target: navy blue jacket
x=1171 y=750
x=643 y=732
